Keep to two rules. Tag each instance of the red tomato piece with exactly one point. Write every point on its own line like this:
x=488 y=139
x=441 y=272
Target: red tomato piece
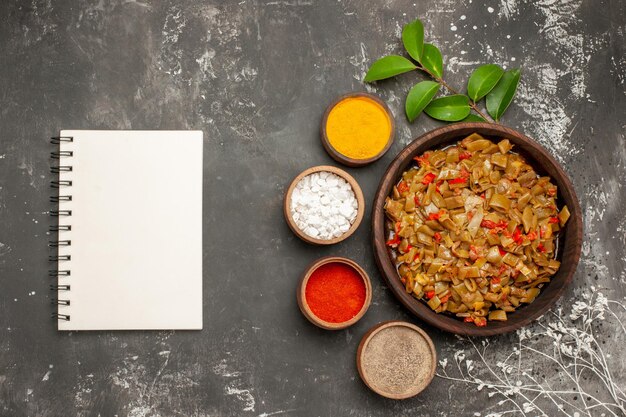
x=428 y=178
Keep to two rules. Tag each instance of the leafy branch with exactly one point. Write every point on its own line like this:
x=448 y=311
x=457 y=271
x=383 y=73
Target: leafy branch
x=489 y=82
x=588 y=383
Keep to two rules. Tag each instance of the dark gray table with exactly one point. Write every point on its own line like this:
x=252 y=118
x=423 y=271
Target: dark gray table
x=256 y=77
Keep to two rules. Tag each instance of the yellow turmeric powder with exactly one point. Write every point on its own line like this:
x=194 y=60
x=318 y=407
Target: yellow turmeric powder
x=358 y=127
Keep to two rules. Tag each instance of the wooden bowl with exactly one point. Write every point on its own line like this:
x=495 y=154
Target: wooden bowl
x=301 y=293
x=341 y=158
x=418 y=386
x=357 y=192
x=570 y=239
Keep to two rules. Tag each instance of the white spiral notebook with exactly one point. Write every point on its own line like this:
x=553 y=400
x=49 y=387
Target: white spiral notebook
x=129 y=231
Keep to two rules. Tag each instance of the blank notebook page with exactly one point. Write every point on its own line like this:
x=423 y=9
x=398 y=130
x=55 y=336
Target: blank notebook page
x=136 y=230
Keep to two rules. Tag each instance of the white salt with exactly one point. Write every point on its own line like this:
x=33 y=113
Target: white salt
x=323 y=205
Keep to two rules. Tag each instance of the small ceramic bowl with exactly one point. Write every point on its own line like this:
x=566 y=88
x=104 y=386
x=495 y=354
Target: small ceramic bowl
x=301 y=293
x=339 y=157
x=358 y=193
x=425 y=353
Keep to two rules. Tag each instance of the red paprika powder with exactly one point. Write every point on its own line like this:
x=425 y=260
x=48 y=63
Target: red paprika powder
x=335 y=292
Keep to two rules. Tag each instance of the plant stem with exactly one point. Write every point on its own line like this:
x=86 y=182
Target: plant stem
x=454 y=91
x=471 y=103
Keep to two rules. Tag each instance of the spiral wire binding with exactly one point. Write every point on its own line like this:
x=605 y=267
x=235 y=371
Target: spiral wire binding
x=60 y=228
x=57 y=273
x=59 y=184
x=57 y=198
x=58 y=213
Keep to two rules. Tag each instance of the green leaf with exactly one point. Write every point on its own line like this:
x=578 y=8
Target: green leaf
x=502 y=94
x=482 y=81
x=388 y=66
x=432 y=60
x=449 y=108
x=473 y=118
x=419 y=96
x=413 y=39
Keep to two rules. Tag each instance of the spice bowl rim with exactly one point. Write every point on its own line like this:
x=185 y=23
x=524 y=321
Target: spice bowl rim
x=304 y=279
x=338 y=156
x=570 y=242
x=385 y=325
x=358 y=193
